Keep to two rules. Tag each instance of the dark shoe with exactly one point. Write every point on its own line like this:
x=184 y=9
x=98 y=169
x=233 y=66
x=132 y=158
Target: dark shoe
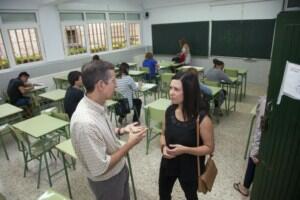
x=236 y=186
x=120 y=120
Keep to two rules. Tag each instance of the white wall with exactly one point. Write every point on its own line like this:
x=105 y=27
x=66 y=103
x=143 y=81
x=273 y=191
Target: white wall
x=51 y=35
x=196 y=10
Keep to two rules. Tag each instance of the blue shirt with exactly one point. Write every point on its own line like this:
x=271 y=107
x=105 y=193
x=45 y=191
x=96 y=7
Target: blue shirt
x=151 y=64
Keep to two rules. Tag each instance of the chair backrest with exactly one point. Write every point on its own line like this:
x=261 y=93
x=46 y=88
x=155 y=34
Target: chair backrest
x=155 y=115
x=21 y=138
x=212 y=83
x=166 y=79
x=144 y=69
x=231 y=72
x=60 y=115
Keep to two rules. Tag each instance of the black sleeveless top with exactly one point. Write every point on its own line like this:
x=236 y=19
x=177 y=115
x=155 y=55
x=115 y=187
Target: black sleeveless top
x=177 y=132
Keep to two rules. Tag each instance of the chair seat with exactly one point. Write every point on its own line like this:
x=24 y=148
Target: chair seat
x=40 y=146
x=52 y=195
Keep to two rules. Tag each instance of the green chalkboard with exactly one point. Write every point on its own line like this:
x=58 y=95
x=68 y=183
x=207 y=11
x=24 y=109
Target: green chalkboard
x=242 y=38
x=165 y=37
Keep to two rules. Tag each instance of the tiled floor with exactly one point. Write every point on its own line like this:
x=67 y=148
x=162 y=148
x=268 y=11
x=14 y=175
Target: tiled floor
x=230 y=139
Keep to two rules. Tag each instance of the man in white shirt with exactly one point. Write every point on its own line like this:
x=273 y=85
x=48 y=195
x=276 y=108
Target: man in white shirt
x=94 y=138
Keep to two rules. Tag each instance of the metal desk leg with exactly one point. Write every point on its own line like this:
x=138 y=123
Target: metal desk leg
x=249 y=136
x=67 y=176
x=131 y=176
x=245 y=86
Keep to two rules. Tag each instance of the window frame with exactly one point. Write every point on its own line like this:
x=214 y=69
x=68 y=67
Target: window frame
x=106 y=32
x=5 y=27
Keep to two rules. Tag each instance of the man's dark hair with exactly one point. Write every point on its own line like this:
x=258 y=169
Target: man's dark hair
x=96 y=57
x=23 y=74
x=95 y=71
x=74 y=76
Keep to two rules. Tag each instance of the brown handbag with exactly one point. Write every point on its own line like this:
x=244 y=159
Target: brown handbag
x=207 y=179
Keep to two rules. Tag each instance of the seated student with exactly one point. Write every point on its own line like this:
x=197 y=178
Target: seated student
x=96 y=57
x=74 y=93
x=217 y=74
x=253 y=160
x=152 y=65
x=126 y=86
x=17 y=88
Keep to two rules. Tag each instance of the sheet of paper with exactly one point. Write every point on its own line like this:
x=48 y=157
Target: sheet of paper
x=290 y=85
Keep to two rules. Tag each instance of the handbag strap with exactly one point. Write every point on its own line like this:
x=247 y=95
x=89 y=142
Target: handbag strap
x=198 y=135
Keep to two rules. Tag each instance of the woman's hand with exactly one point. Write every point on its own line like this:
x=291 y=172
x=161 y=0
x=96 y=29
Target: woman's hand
x=133 y=127
x=165 y=153
x=176 y=149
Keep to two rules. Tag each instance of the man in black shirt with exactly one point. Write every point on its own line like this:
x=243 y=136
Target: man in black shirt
x=74 y=93
x=16 y=89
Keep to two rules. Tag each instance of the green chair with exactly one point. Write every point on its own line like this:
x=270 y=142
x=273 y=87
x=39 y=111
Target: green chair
x=4 y=130
x=234 y=73
x=211 y=83
x=34 y=151
x=154 y=119
x=52 y=195
x=165 y=80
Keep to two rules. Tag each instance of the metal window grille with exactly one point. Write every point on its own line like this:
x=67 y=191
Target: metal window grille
x=3 y=58
x=75 y=39
x=118 y=37
x=97 y=37
x=25 y=45
x=134 y=34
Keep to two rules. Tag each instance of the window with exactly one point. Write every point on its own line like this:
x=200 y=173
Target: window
x=118 y=38
x=97 y=37
x=20 y=35
x=25 y=45
x=134 y=34
x=75 y=42
x=97 y=32
x=3 y=58
x=134 y=28
x=117 y=29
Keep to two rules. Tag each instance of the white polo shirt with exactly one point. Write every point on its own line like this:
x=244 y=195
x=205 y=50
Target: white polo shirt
x=94 y=140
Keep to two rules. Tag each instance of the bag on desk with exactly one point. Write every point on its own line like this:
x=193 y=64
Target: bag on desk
x=122 y=108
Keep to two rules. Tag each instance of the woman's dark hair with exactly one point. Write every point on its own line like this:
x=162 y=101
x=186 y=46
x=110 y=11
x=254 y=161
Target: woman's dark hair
x=193 y=102
x=73 y=77
x=123 y=69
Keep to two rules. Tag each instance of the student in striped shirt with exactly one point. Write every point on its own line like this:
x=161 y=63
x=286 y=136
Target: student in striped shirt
x=126 y=86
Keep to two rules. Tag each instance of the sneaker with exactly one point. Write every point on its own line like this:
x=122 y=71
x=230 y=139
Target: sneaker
x=120 y=120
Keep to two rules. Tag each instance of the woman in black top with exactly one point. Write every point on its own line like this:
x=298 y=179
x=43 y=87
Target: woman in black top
x=178 y=139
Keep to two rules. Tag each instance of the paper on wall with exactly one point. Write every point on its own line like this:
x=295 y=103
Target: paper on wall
x=290 y=85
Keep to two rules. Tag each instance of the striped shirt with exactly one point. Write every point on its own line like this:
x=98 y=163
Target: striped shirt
x=94 y=140
x=126 y=86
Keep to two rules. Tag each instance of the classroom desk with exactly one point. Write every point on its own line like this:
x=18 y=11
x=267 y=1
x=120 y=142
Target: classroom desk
x=57 y=96
x=61 y=81
x=67 y=148
x=37 y=89
x=39 y=127
x=253 y=114
x=164 y=65
x=228 y=87
x=145 y=89
x=243 y=74
x=137 y=75
x=110 y=104
x=198 y=69
x=9 y=113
